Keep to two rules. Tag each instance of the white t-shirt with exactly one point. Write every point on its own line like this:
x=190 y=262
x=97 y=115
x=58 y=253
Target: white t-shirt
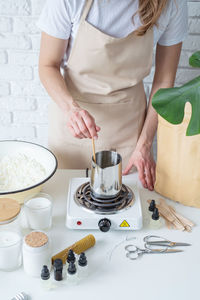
x=61 y=18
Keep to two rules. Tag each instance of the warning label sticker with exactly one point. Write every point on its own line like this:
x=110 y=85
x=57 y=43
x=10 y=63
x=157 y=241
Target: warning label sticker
x=124 y=224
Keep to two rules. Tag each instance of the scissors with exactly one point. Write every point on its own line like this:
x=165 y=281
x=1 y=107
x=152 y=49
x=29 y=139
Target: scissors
x=133 y=252
x=154 y=240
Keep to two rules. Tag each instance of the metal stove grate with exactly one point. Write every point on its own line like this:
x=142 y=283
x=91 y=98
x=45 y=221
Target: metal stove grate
x=86 y=199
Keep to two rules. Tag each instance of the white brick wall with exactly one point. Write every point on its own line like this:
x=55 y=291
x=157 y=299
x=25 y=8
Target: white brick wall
x=23 y=102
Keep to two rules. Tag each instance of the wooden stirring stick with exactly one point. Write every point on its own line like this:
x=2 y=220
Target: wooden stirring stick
x=93 y=149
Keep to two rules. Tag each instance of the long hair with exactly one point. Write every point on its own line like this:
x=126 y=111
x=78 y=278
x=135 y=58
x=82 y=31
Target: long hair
x=149 y=12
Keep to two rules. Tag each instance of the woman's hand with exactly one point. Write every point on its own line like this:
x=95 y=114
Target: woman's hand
x=143 y=160
x=81 y=124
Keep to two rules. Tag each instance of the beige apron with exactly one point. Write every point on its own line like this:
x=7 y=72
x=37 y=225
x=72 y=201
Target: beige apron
x=105 y=76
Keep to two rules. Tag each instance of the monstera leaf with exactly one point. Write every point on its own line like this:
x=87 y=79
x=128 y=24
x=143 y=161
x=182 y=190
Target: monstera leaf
x=170 y=103
x=194 y=60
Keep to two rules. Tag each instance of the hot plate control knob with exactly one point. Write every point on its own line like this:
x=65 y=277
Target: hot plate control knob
x=104 y=225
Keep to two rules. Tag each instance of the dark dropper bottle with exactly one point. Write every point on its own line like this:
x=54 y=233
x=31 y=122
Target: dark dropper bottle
x=58 y=268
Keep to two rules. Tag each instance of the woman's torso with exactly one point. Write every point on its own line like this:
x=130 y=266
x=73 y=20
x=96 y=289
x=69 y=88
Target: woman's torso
x=61 y=18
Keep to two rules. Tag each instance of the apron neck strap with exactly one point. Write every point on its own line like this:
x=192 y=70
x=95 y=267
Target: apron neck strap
x=88 y=4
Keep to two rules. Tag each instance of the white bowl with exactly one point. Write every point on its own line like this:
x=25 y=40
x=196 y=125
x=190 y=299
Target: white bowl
x=44 y=156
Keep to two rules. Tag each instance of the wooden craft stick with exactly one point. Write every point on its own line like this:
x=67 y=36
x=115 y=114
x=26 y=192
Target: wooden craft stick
x=93 y=150
x=188 y=228
x=164 y=209
x=175 y=214
x=183 y=219
x=186 y=223
x=168 y=224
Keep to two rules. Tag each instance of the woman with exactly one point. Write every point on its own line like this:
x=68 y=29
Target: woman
x=105 y=48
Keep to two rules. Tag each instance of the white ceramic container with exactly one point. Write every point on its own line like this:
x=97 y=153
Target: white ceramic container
x=36 y=253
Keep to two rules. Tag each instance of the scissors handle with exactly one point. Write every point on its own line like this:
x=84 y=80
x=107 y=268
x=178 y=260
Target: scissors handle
x=130 y=256
x=133 y=252
x=132 y=249
x=133 y=255
x=159 y=239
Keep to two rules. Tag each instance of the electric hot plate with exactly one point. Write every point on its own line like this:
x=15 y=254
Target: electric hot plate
x=84 y=211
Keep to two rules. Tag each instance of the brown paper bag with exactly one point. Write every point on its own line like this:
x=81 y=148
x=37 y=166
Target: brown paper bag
x=178 y=162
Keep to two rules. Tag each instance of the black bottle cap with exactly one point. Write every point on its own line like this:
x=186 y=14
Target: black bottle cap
x=82 y=261
x=45 y=274
x=152 y=205
x=155 y=215
x=71 y=268
x=71 y=256
x=58 y=264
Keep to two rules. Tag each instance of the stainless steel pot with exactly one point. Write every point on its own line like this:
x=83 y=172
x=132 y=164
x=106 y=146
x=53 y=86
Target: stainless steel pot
x=106 y=174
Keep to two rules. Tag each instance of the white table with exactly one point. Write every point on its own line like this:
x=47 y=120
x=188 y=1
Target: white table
x=161 y=276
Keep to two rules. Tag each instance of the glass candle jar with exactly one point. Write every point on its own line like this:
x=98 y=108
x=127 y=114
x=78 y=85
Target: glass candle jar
x=38 y=211
x=10 y=235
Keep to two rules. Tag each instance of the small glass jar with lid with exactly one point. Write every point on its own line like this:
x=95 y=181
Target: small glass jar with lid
x=10 y=235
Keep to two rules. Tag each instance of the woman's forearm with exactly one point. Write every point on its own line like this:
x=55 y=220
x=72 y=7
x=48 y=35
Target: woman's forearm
x=150 y=124
x=78 y=121
x=167 y=58
x=55 y=85
x=151 y=121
